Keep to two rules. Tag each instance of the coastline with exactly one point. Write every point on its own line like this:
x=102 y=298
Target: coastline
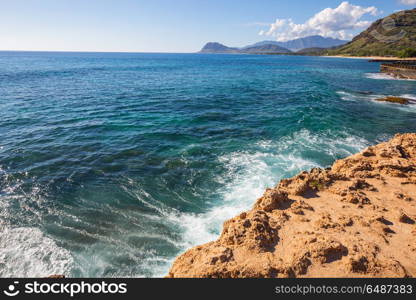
x=382 y=58
x=355 y=219
x=399 y=70
x=214 y=152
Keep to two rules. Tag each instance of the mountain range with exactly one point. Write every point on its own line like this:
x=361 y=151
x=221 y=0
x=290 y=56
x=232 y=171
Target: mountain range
x=394 y=35
x=314 y=41
x=310 y=42
x=220 y=48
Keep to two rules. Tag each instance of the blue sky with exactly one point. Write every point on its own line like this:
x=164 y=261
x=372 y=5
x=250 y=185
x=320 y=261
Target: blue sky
x=172 y=25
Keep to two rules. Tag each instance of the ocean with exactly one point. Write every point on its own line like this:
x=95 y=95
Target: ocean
x=112 y=164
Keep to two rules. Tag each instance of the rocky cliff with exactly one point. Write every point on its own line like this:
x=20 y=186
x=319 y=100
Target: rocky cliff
x=355 y=219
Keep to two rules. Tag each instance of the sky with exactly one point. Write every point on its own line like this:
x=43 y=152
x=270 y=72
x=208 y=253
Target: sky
x=179 y=25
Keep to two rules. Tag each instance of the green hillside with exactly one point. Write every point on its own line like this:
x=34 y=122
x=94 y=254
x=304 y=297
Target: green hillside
x=391 y=36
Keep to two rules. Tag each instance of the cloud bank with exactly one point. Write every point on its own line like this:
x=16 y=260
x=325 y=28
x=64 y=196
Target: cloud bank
x=408 y=2
x=330 y=22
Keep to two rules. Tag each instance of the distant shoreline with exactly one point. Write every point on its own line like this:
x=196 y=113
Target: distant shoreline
x=369 y=57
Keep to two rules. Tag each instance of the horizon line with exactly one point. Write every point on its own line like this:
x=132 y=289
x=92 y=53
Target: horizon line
x=93 y=51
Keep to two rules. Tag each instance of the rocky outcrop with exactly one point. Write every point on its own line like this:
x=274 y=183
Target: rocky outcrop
x=400 y=71
x=399 y=100
x=355 y=219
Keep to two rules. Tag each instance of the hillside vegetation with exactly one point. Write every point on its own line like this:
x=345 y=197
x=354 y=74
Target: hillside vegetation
x=391 y=36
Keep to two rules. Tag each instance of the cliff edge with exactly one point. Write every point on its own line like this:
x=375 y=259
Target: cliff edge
x=355 y=219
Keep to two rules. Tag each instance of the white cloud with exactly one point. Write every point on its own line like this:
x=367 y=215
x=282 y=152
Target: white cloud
x=330 y=22
x=408 y=2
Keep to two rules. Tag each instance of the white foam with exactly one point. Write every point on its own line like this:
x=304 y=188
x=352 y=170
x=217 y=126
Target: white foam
x=362 y=97
x=409 y=96
x=384 y=76
x=349 y=96
x=27 y=252
x=251 y=174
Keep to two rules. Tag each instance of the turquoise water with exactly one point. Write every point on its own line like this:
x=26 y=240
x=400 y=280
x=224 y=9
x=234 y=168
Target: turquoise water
x=113 y=164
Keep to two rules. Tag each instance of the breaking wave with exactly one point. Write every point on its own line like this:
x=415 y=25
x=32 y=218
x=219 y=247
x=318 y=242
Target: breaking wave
x=251 y=172
x=383 y=76
x=27 y=252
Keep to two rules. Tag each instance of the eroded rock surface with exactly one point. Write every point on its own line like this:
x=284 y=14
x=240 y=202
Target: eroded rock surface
x=356 y=219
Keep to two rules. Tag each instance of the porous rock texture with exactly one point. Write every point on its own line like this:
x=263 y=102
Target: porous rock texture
x=355 y=219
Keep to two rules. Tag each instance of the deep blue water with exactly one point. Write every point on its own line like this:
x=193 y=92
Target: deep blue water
x=112 y=164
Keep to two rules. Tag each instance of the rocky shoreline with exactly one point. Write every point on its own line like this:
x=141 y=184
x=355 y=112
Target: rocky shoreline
x=400 y=70
x=355 y=219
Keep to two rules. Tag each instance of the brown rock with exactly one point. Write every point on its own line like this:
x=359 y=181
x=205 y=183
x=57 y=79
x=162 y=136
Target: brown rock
x=399 y=100
x=338 y=222
x=406 y=219
x=271 y=200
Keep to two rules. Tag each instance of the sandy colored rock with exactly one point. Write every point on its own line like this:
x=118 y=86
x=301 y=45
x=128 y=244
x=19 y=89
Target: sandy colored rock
x=355 y=219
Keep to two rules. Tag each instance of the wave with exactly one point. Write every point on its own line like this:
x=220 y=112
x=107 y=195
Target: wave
x=383 y=76
x=351 y=96
x=27 y=252
x=409 y=96
x=411 y=107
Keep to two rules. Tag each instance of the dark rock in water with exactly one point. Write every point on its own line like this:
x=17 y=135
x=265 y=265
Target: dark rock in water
x=364 y=93
x=399 y=100
x=56 y=277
